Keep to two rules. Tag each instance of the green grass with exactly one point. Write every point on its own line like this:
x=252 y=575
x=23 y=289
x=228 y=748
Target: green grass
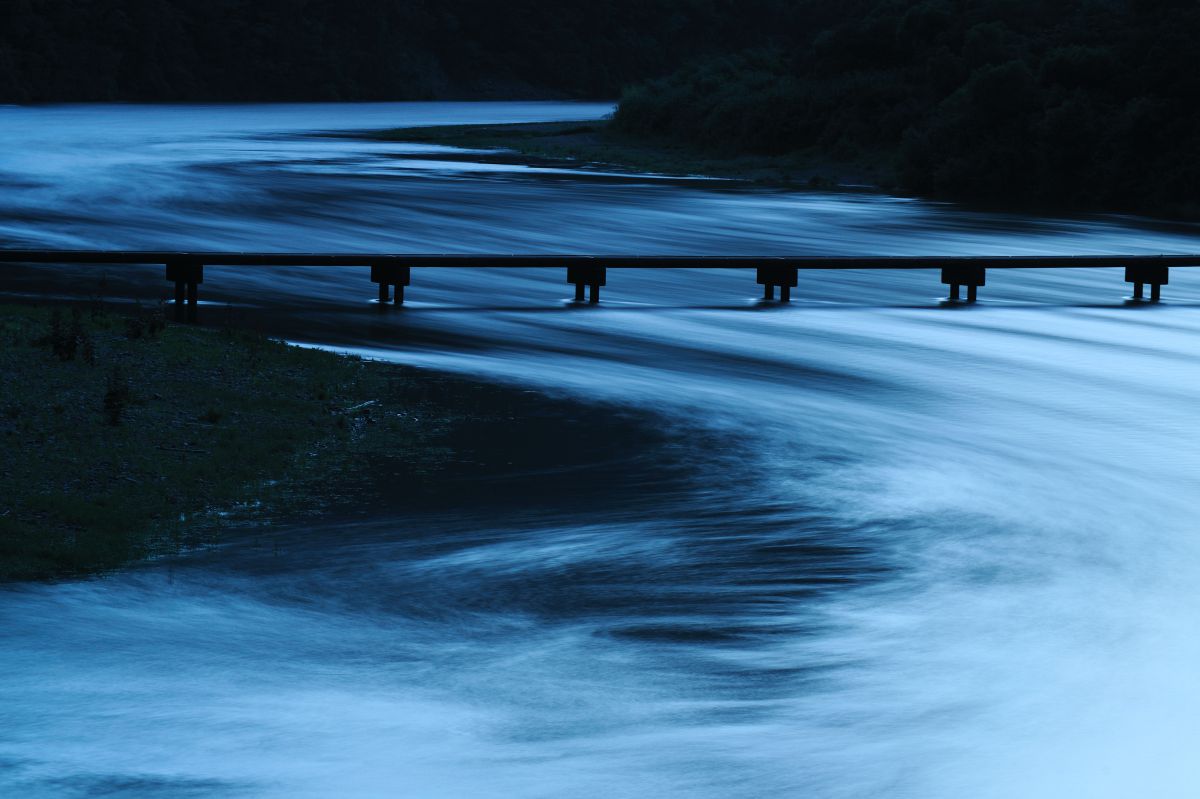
x=598 y=144
x=211 y=427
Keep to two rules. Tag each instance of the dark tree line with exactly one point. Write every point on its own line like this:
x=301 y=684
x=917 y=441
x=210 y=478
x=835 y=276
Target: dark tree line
x=187 y=50
x=1090 y=103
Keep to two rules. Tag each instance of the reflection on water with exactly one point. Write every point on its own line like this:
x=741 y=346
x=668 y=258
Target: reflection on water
x=863 y=546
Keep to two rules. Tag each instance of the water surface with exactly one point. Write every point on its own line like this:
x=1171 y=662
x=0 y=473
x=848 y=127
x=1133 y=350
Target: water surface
x=866 y=545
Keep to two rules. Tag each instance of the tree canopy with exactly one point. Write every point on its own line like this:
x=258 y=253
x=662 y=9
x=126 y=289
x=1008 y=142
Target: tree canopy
x=1080 y=104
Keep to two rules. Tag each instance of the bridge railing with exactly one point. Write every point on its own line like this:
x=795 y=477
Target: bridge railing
x=394 y=270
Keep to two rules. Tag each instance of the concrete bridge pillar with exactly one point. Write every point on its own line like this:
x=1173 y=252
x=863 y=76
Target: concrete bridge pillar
x=1156 y=276
x=187 y=277
x=389 y=276
x=591 y=276
x=785 y=277
x=970 y=276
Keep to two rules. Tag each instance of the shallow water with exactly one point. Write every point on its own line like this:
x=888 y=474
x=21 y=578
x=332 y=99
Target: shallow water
x=862 y=546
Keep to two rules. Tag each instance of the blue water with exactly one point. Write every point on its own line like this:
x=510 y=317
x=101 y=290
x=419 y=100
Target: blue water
x=876 y=546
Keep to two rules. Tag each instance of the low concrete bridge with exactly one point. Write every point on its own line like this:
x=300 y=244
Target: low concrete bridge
x=393 y=272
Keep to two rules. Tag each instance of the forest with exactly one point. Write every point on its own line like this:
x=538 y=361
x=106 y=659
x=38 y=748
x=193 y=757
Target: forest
x=1029 y=103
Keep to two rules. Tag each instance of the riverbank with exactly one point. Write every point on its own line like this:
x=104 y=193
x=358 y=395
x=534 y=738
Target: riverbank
x=599 y=145
x=126 y=437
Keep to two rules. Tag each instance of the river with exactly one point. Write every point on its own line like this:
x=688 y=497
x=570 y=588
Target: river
x=904 y=549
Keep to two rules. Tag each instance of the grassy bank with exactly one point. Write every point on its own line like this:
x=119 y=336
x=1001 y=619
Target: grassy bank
x=124 y=437
x=600 y=145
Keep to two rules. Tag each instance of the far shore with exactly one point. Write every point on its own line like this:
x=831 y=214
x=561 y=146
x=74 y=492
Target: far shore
x=598 y=145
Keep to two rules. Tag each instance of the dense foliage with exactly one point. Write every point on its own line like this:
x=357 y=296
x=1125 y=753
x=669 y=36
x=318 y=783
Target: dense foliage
x=58 y=50
x=1084 y=104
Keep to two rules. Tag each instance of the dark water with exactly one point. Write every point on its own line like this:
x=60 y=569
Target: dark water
x=862 y=546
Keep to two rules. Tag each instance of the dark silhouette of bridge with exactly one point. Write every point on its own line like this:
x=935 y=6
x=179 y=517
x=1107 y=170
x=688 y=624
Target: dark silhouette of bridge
x=393 y=271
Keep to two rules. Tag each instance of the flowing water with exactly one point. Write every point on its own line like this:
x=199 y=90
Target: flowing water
x=863 y=546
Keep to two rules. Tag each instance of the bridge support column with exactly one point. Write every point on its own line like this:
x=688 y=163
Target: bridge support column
x=591 y=276
x=1156 y=276
x=785 y=277
x=187 y=277
x=390 y=276
x=970 y=276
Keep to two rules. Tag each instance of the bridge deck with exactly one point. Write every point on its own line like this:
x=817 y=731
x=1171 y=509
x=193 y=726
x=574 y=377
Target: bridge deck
x=394 y=270
x=610 y=261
